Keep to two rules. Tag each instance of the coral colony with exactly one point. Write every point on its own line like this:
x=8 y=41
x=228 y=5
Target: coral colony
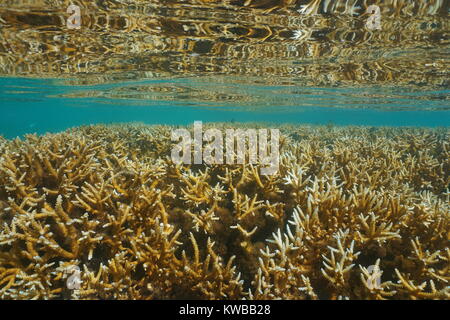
x=235 y=141
x=103 y=212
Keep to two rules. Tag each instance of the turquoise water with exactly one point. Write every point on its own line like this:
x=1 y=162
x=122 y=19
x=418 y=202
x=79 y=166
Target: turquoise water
x=47 y=105
x=174 y=62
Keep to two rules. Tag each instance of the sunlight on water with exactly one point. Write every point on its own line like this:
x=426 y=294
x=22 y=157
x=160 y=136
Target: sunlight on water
x=297 y=61
x=348 y=199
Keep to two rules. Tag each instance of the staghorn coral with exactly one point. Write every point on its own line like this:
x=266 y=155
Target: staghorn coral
x=101 y=212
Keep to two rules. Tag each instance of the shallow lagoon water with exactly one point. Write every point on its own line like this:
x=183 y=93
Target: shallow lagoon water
x=91 y=206
x=40 y=106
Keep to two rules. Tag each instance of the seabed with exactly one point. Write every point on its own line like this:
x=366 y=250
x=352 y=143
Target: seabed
x=102 y=212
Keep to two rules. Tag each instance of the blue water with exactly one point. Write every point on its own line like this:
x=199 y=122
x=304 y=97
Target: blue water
x=47 y=105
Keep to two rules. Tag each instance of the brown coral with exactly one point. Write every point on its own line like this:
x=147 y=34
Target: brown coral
x=107 y=205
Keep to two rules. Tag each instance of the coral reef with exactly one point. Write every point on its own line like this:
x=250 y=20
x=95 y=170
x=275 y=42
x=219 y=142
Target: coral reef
x=101 y=212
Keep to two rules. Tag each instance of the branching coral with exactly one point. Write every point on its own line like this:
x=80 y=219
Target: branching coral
x=101 y=212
